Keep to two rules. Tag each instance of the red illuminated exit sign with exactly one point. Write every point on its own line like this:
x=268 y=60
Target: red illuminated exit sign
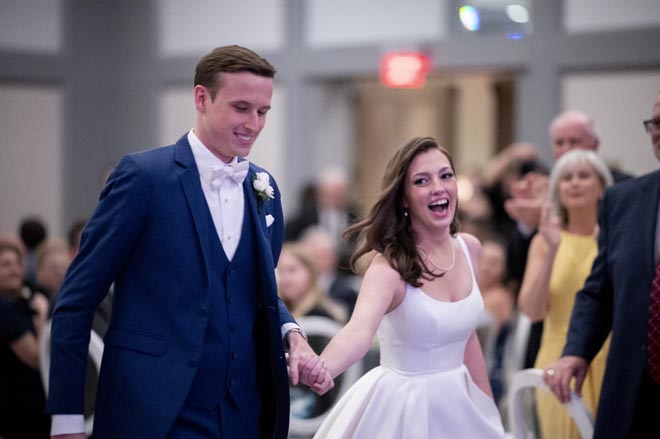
x=404 y=69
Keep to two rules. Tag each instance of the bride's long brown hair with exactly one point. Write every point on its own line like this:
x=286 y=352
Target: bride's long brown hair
x=386 y=229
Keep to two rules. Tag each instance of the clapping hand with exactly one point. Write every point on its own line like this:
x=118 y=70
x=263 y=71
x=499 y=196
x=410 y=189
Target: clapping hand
x=527 y=198
x=550 y=227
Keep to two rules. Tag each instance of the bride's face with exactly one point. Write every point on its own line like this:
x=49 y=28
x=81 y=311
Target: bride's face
x=430 y=191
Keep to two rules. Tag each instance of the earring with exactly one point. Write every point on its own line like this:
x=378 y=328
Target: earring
x=405 y=212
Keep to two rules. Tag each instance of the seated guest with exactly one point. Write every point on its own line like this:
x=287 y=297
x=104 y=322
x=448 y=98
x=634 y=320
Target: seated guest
x=22 y=317
x=296 y=286
x=53 y=260
x=325 y=256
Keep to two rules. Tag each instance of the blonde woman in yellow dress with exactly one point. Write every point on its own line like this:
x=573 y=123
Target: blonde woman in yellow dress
x=559 y=261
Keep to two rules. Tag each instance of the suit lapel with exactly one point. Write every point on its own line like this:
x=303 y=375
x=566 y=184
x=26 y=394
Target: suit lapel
x=265 y=261
x=190 y=182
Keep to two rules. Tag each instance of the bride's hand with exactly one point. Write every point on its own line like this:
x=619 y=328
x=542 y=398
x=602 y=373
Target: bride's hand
x=321 y=387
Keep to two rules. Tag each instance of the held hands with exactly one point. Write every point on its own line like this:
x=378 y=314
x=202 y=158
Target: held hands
x=305 y=366
x=559 y=374
x=320 y=387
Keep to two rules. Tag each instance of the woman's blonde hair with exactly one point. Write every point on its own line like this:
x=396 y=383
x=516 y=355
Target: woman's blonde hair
x=568 y=160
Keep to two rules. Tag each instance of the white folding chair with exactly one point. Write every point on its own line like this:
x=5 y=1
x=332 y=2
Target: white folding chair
x=533 y=378
x=95 y=354
x=321 y=328
x=516 y=346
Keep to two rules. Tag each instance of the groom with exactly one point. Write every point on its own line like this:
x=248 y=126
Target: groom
x=190 y=235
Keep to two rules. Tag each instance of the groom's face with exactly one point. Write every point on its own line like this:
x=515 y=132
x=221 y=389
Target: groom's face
x=230 y=123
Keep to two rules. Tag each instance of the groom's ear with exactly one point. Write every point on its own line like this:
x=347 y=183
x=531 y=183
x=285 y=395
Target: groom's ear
x=202 y=98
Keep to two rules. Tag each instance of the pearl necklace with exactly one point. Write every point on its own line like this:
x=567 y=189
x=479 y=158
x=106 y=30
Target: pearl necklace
x=426 y=257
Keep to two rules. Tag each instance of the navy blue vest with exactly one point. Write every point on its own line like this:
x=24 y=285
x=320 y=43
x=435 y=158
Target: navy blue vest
x=227 y=366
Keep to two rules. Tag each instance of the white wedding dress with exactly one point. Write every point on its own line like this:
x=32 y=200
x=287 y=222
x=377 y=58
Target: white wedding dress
x=422 y=389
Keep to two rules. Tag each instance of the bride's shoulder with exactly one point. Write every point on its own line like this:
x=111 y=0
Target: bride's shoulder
x=472 y=243
x=383 y=279
x=380 y=267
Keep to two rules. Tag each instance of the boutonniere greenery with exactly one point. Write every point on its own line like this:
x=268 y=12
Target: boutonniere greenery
x=262 y=187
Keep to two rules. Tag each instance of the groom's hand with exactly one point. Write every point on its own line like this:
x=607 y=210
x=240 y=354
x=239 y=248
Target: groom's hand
x=70 y=436
x=304 y=365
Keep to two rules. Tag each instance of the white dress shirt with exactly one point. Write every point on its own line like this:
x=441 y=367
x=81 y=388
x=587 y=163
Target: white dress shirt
x=226 y=204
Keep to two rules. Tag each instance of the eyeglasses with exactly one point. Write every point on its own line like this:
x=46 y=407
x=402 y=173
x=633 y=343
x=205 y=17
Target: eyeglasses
x=652 y=126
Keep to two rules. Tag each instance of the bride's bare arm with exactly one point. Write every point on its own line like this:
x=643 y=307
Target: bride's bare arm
x=382 y=290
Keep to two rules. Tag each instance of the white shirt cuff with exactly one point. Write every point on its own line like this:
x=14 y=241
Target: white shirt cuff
x=67 y=424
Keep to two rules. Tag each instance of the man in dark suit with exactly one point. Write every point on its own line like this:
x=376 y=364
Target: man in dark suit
x=617 y=297
x=190 y=234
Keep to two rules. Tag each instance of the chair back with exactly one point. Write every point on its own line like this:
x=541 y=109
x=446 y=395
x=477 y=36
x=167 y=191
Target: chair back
x=533 y=378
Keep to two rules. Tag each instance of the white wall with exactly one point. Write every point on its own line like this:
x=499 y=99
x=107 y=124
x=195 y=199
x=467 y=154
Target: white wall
x=31 y=25
x=618 y=102
x=197 y=27
x=355 y=22
x=30 y=156
x=598 y=15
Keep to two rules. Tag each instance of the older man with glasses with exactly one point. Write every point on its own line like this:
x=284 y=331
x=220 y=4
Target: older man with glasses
x=621 y=295
x=652 y=126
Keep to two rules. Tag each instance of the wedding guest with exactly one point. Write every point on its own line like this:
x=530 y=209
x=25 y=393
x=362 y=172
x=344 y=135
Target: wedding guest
x=621 y=295
x=22 y=317
x=559 y=261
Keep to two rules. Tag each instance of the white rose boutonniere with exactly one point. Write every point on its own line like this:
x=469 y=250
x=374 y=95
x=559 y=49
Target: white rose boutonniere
x=262 y=187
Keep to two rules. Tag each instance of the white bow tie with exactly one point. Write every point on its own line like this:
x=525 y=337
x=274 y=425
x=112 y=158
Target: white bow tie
x=236 y=172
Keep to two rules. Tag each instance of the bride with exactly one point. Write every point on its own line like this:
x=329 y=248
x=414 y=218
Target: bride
x=420 y=295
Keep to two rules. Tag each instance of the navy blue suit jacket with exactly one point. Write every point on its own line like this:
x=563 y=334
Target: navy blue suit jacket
x=149 y=236
x=616 y=297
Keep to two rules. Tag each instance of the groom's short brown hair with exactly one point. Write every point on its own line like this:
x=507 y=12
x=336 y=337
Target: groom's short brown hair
x=229 y=59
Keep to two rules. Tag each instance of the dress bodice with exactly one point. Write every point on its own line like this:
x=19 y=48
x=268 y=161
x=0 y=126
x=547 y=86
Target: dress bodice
x=425 y=335
x=422 y=388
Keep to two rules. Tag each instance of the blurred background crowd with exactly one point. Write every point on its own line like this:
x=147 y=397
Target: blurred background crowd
x=82 y=83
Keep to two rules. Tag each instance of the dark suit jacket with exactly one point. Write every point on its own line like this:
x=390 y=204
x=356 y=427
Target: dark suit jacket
x=616 y=297
x=149 y=235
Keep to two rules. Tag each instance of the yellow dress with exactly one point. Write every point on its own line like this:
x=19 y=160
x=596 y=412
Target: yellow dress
x=572 y=265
